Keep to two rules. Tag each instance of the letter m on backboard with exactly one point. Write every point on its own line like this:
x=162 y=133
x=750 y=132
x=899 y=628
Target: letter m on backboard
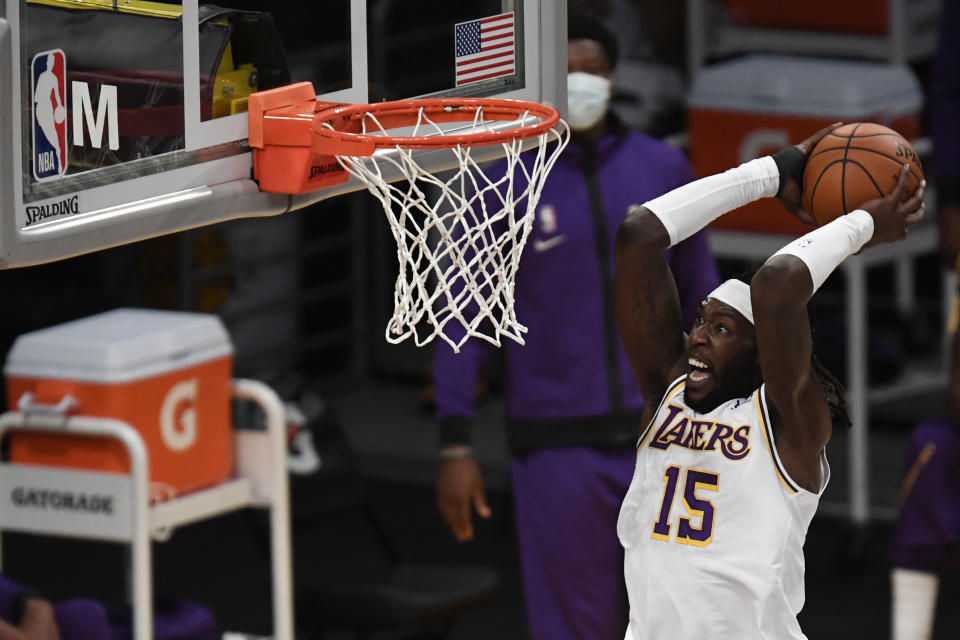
x=106 y=114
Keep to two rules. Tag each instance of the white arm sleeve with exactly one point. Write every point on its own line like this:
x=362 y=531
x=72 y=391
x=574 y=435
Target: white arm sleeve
x=823 y=249
x=690 y=208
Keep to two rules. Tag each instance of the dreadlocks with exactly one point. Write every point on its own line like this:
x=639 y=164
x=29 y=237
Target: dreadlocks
x=832 y=387
x=836 y=395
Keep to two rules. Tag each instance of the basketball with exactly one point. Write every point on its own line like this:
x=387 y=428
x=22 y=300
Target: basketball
x=854 y=164
x=60 y=114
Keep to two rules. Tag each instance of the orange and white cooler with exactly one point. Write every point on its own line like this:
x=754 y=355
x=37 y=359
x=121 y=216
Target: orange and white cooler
x=165 y=373
x=758 y=104
x=849 y=16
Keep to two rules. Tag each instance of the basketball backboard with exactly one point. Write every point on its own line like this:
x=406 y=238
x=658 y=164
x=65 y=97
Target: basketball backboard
x=126 y=119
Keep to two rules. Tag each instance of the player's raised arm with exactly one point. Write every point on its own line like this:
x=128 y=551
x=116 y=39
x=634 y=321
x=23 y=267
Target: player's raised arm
x=780 y=291
x=647 y=301
x=648 y=307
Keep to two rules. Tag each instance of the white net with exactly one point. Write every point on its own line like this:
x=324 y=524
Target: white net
x=460 y=233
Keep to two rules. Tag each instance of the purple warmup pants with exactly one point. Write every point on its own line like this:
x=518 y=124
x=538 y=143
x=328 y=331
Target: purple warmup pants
x=567 y=502
x=927 y=533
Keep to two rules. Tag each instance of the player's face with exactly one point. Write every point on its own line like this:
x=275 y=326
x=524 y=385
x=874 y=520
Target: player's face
x=721 y=357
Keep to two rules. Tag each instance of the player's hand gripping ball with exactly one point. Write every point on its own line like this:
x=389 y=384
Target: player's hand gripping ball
x=853 y=164
x=60 y=114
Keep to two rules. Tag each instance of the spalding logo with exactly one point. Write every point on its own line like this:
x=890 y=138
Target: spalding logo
x=179 y=434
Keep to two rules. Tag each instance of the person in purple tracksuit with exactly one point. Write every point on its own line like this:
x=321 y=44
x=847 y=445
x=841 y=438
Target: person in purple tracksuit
x=24 y=615
x=926 y=538
x=927 y=534
x=574 y=405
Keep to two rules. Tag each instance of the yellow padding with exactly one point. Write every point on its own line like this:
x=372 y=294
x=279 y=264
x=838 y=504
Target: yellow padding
x=954 y=315
x=231 y=90
x=137 y=7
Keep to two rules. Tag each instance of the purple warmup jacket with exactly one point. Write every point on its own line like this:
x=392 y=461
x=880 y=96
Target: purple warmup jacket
x=571 y=384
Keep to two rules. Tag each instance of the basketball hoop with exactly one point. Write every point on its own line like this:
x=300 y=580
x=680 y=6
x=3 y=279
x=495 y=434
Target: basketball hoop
x=460 y=232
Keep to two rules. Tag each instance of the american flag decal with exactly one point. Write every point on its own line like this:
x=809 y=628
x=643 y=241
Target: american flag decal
x=485 y=49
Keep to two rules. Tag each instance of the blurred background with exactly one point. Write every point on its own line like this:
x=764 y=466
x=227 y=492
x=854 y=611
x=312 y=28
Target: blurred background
x=306 y=297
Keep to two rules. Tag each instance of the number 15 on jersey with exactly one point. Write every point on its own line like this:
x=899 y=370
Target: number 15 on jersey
x=686 y=531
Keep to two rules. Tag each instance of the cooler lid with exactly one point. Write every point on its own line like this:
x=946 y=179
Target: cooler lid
x=815 y=87
x=119 y=346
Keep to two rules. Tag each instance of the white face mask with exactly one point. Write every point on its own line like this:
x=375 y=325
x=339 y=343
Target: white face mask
x=587 y=98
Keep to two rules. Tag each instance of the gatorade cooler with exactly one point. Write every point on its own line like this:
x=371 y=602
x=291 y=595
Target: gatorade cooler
x=167 y=374
x=756 y=105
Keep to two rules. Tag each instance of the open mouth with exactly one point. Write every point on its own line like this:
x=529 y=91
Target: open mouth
x=699 y=371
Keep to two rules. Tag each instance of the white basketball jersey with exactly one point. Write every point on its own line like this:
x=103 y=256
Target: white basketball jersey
x=713 y=527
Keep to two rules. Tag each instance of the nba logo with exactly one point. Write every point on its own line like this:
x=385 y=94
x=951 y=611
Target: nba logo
x=49 y=96
x=548 y=219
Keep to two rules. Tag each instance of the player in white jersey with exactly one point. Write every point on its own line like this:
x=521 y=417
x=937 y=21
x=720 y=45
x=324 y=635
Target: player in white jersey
x=731 y=464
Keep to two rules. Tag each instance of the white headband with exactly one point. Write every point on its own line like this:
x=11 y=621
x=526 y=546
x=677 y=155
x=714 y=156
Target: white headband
x=736 y=294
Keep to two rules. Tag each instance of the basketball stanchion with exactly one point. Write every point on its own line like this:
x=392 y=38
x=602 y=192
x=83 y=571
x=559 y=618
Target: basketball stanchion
x=460 y=232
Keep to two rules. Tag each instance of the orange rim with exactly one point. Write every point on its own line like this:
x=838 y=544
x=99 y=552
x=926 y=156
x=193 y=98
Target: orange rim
x=345 y=138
